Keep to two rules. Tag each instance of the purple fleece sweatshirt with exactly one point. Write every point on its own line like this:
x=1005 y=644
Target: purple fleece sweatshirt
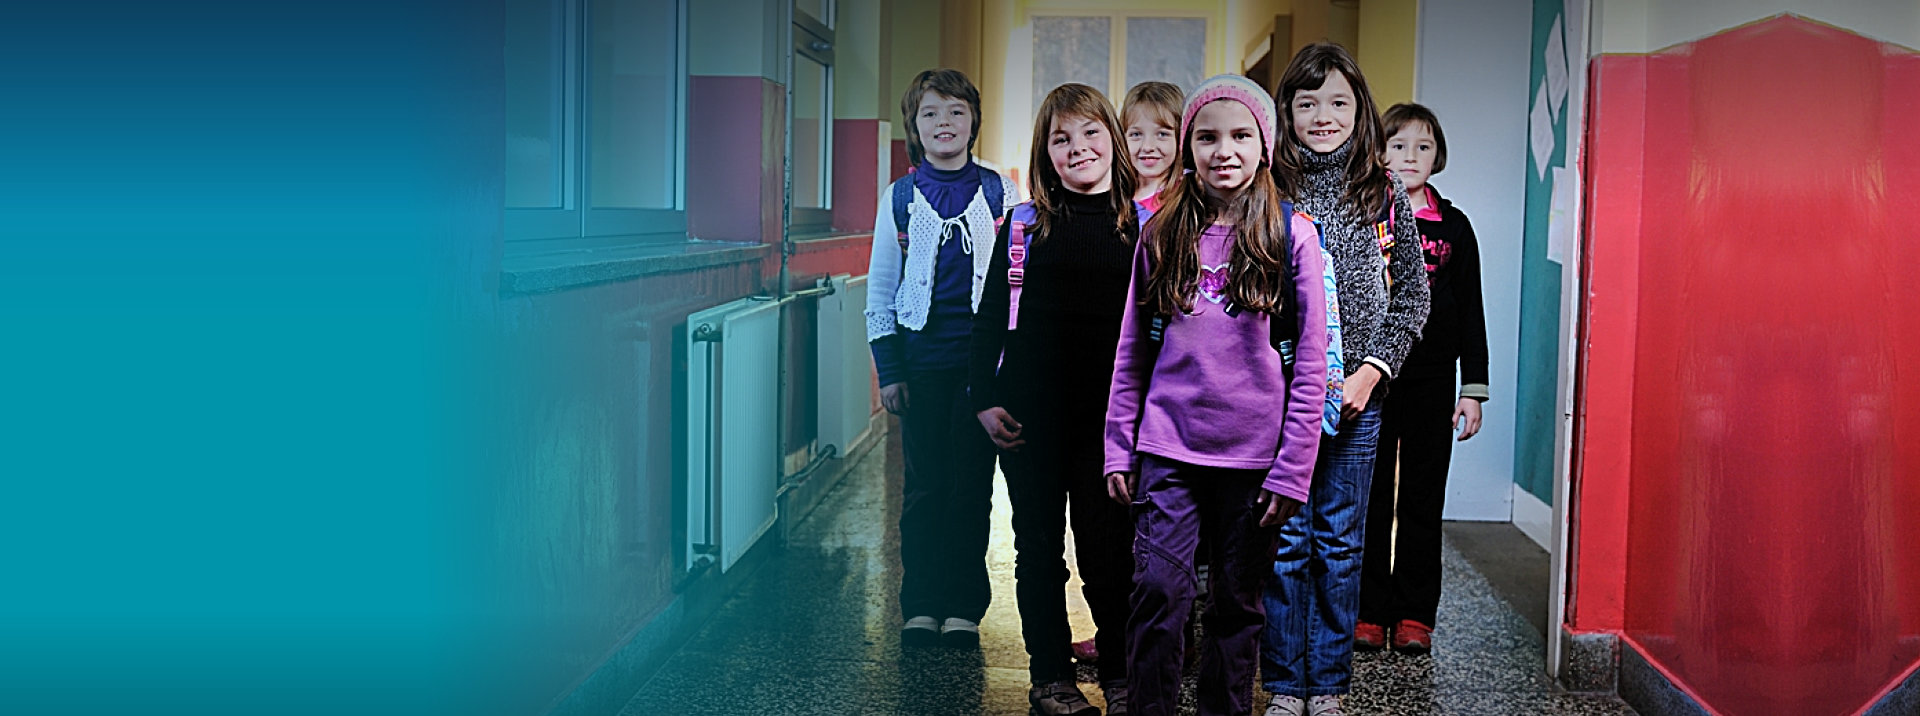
x=1213 y=393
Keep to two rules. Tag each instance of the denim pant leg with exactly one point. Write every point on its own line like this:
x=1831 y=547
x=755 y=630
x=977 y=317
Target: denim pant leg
x=1166 y=519
x=1315 y=596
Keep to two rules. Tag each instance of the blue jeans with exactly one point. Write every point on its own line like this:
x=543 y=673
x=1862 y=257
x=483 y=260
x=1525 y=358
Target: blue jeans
x=1314 y=598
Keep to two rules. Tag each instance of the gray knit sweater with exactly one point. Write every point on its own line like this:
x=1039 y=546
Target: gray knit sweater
x=1376 y=326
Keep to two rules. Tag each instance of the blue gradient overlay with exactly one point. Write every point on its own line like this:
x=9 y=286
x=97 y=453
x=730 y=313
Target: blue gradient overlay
x=245 y=255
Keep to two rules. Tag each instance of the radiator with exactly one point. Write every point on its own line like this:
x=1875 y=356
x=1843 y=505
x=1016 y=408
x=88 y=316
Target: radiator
x=845 y=378
x=732 y=444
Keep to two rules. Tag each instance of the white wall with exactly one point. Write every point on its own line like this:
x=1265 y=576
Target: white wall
x=1472 y=72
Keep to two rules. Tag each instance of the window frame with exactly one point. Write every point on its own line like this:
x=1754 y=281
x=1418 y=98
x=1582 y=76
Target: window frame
x=576 y=222
x=813 y=39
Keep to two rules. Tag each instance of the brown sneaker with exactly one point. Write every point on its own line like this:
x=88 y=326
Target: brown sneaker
x=1060 y=698
x=1116 y=693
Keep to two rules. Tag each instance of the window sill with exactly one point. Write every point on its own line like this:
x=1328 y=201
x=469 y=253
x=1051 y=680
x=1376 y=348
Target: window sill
x=560 y=270
x=826 y=241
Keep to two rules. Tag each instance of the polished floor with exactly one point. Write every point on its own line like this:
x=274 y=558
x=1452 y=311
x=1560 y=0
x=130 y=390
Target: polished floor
x=813 y=632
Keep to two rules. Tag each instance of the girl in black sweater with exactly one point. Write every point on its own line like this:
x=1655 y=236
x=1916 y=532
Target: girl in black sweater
x=1043 y=349
x=1418 y=425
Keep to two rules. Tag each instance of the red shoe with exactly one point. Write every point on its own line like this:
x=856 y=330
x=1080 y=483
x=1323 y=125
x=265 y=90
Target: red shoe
x=1369 y=637
x=1412 y=637
x=1084 y=652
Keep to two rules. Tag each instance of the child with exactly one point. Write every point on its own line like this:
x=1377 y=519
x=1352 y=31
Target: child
x=1330 y=163
x=1152 y=115
x=1209 y=429
x=921 y=293
x=1040 y=386
x=1424 y=412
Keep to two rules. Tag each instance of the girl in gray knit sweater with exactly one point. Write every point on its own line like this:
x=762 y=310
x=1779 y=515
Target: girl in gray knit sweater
x=1330 y=165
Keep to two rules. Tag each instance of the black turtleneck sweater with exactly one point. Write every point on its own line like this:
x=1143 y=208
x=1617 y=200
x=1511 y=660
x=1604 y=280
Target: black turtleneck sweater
x=1059 y=361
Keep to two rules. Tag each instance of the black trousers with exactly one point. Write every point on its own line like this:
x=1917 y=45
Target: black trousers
x=1057 y=474
x=1416 y=436
x=945 y=501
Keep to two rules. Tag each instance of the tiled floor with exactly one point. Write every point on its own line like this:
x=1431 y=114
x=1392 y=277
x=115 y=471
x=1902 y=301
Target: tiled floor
x=814 y=632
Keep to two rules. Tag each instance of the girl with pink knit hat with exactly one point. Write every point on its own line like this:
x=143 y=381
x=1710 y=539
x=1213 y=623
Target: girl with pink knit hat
x=1214 y=416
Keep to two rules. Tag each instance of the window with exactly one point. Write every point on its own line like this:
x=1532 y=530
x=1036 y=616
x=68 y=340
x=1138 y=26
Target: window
x=811 y=116
x=596 y=120
x=1071 y=49
x=1166 y=49
x=1098 y=50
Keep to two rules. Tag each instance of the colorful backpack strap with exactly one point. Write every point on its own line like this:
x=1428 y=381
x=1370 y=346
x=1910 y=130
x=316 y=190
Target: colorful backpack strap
x=1383 y=235
x=1019 y=221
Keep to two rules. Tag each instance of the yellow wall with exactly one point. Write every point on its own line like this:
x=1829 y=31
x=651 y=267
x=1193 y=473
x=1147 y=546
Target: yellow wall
x=857 y=61
x=1388 y=43
x=960 y=36
x=1249 y=22
x=915 y=44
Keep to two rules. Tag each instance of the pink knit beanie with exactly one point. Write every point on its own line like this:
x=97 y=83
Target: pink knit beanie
x=1239 y=89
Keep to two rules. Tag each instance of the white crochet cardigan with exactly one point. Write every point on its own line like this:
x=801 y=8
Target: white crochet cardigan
x=900 y=289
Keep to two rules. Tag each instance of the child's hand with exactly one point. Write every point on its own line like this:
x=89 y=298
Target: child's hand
x=894 y=398
x=1000 y=426
x=1120 y=487
x=1280 y=508
x=1358 y=391
x=1470 y=410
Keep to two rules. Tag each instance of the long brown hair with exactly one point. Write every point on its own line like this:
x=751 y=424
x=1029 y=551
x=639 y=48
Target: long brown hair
x=1077 y=100
x=1260 y=264
x=1368 y=185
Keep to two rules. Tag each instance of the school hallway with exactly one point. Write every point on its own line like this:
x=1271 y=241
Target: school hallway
x=815 y=631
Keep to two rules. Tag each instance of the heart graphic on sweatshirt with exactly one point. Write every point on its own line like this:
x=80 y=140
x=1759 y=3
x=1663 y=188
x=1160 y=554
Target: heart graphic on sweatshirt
x=1213 y=283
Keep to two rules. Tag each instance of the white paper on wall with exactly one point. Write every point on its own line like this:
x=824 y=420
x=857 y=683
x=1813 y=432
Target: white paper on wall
x=1540 y=132
x=1560 y=218
x=1556 y=63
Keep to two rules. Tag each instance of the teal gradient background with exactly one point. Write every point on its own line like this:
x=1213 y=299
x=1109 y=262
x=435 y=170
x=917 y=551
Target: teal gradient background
x=242 y=448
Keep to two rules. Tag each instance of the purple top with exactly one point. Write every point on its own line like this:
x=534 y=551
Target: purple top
x=1214 y=393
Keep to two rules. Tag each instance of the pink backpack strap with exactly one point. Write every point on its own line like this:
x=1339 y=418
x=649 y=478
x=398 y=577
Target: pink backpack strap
x=1016 y=269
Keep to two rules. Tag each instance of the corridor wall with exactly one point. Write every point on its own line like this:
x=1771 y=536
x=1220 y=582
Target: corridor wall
x=1746 y=424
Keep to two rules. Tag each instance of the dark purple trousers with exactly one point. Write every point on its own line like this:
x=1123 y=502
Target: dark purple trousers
x=1173 y=504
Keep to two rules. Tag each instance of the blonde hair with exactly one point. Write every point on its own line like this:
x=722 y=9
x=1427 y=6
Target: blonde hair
x=1161 y=101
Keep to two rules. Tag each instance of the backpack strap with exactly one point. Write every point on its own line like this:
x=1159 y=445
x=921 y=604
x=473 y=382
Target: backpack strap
x=902 y=198
x=1018 y=221
x=1383 y=235
x=990 y=186
x=1284 y=327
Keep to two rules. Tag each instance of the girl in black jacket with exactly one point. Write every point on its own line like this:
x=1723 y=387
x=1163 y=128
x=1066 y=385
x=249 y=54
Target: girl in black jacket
x=1418 y=425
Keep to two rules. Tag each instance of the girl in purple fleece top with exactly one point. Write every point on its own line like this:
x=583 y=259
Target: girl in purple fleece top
x=1207 y=429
